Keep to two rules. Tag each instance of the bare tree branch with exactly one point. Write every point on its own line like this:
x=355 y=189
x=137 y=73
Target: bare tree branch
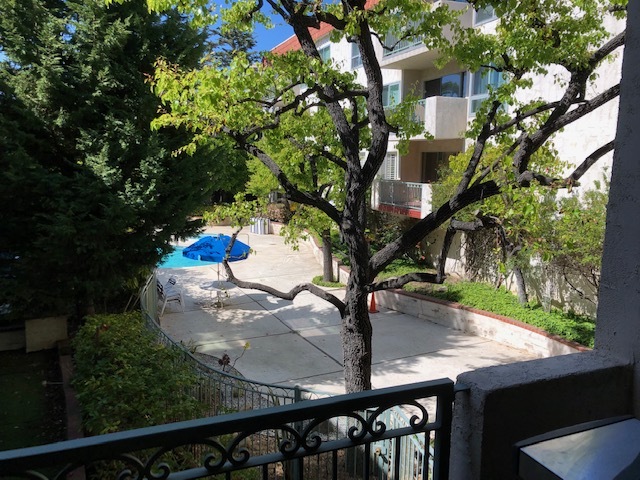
x=290 y=295
x=293 y=193
x=399 y=282
x=589 y=161
x=470 y=171
x=428 y=224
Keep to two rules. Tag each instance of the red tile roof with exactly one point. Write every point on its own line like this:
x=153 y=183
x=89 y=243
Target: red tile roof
x=292 y=42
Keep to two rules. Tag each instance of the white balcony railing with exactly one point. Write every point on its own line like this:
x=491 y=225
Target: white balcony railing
x=400 y=53
x=406 y=198
x=443 y=117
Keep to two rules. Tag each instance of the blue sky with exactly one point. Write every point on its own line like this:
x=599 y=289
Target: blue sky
x=267 y=39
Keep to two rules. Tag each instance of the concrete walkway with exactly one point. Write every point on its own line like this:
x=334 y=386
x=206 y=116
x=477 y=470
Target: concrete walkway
x=298 y=343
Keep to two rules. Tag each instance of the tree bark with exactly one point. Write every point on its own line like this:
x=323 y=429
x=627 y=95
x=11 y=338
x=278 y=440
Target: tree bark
x=327 y=256
x=523 y=298
x=356 y=340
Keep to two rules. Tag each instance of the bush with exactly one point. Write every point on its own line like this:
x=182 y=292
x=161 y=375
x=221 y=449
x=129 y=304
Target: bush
x=125 y=379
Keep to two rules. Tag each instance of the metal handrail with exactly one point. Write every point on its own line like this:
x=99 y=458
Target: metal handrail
x=223 y=391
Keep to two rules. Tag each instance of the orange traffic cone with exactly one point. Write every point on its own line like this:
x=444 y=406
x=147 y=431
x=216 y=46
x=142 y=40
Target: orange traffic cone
x=372 y=305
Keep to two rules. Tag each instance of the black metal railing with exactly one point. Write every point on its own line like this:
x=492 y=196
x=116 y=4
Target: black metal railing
x=338 y=437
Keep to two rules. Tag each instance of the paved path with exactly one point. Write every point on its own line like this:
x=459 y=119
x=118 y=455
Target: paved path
x=299 y=342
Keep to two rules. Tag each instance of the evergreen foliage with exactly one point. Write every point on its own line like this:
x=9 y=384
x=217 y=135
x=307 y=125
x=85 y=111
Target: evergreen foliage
x=90 y=195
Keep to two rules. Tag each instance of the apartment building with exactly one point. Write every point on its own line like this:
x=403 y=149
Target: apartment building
x=448 y=98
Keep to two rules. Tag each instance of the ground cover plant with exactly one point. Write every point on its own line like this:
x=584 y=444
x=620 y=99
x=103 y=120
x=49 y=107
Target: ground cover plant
x=571 y=326
x=568 y=325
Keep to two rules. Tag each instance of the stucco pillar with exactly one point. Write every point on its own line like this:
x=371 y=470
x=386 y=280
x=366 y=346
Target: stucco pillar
x=618 y=324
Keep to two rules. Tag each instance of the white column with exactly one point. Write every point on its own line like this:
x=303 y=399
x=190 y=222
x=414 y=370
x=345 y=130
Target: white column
x=618 y=324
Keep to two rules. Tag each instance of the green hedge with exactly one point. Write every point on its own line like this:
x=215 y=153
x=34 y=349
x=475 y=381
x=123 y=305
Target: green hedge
x=125 y=379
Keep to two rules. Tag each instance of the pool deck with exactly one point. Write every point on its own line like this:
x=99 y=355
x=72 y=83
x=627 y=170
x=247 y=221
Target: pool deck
x=298 y=342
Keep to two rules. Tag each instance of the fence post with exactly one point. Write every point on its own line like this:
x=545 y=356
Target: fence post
x=297 y=464
x=442 y=444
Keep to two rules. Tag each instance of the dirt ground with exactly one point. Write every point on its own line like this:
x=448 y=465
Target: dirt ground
x=32 y=407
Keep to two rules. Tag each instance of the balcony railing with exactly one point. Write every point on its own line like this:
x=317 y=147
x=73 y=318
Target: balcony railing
x=393 y=46
x=350 y=436
x=347 y=436
x=406 y=198
x=443 y=117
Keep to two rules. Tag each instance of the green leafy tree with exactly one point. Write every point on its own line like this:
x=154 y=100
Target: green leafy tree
x=261 y=105
x=516 y=216
x=573 y=241
x=90 y=194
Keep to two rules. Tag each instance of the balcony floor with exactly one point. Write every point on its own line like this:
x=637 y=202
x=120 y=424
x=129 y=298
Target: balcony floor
x=298 y=343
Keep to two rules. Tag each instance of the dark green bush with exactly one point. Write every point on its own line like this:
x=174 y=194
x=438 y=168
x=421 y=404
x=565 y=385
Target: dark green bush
x=125 y=379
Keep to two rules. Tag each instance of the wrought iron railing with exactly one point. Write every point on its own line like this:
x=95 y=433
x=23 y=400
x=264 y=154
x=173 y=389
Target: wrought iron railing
x=222 y=392
x=337 y=437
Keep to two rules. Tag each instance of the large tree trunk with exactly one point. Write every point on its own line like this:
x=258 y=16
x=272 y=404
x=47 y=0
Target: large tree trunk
x=327 y=256
x=521 y=286
x=356 y=340
x=356 y=325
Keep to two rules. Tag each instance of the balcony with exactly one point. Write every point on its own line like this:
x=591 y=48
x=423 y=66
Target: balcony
x=402 y=198
x=413 y=54
x=443 y=117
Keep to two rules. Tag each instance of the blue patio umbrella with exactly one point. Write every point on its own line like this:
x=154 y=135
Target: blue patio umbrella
x=212 y=248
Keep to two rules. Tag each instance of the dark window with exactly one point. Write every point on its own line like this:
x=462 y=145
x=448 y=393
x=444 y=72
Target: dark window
x=432 y=162
x=447 y=86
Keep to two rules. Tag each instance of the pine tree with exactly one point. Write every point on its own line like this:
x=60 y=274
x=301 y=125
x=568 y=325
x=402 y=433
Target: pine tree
x=90 y=194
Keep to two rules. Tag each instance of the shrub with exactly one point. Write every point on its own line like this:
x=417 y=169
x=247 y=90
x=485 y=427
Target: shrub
x=125 y=379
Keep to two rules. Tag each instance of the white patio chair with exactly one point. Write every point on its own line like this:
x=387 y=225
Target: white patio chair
x=169 y=293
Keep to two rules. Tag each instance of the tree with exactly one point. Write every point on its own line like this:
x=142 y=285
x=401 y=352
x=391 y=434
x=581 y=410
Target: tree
x=90 y=195
x=517 y=217
x=258 y=105
x=229 y=42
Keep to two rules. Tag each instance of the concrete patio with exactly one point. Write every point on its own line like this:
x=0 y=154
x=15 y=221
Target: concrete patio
x=298 y=343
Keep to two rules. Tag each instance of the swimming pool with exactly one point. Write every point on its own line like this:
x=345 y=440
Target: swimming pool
x=176 y=260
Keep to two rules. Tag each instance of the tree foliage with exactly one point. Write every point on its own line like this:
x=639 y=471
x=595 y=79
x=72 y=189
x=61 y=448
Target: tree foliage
x=323 y=117
x=90 y=194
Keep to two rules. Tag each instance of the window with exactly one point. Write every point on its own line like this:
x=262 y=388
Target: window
x=391 y=95
x=325 y=52
x=390 y=169
x=480 y=83
x=432 y=163
x=484 y=15
x=356 y=59
x=447 y=86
